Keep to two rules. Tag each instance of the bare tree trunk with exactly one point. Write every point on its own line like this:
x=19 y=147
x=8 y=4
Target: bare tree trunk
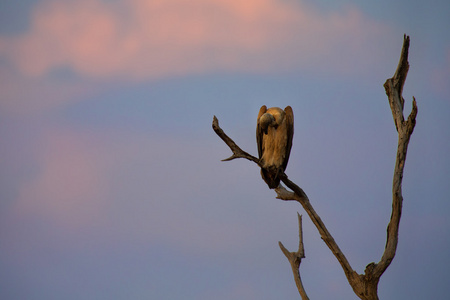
x=364 y=285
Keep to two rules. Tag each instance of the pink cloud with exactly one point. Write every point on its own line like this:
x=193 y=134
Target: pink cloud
x=69 y=188
x=153 y=39
x=25 y=95
x=105 y=182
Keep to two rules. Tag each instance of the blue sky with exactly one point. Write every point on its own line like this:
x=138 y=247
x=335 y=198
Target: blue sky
x=111 y=179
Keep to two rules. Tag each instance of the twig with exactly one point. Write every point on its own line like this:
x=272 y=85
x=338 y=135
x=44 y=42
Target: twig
x=295 y=259
x=394 y=88
x=237 y=151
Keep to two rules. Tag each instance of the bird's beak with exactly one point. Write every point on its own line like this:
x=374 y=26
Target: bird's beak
x=265 y=121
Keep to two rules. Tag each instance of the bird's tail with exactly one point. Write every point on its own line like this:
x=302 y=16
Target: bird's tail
x=270 y=176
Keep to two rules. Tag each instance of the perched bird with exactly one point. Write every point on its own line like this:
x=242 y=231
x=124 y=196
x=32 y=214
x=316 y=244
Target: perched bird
x=274 y=133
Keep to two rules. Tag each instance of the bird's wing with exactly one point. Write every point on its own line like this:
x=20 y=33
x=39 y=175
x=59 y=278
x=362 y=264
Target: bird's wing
x=259 y=133
x=290 y=133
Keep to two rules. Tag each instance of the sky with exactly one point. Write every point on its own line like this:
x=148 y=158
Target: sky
x=112 y=185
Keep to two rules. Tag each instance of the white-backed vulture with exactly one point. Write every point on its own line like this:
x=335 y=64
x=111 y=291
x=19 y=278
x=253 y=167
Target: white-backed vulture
x=274 y=133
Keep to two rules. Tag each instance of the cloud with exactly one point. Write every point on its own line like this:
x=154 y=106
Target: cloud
x=25 y=95
x=69 y=188
x=131 y=188
x=138 y=39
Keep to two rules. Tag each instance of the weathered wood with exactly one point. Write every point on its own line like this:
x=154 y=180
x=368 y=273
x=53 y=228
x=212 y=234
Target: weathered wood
x=237 y=151
x=364 y=285
x=299 y=195
x=295 y=259
x=394 y=88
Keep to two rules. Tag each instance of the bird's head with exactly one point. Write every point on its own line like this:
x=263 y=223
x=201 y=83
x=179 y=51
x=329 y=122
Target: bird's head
x=265 y=121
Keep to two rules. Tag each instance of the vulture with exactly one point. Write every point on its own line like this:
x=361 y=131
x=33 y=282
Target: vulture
x=274 y=133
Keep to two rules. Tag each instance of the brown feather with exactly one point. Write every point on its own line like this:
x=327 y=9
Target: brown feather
x=262 y=111
x=290 y=134
x=274 y=133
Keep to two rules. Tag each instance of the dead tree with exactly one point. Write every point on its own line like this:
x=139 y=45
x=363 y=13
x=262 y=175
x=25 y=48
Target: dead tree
x=364 y=285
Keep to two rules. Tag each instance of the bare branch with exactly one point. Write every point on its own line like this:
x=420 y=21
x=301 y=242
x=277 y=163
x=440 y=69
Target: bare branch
x=394 y=88
x=394 y=85
x=237 y=151
x=303 y=199
x=284 y=194
x=295 y=259
x=365 y=286
x=297 y=195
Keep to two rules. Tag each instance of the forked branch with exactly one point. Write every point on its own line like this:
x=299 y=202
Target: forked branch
x=394 y=88
x=364 y=285
x=295 y=259
x=298 y=195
